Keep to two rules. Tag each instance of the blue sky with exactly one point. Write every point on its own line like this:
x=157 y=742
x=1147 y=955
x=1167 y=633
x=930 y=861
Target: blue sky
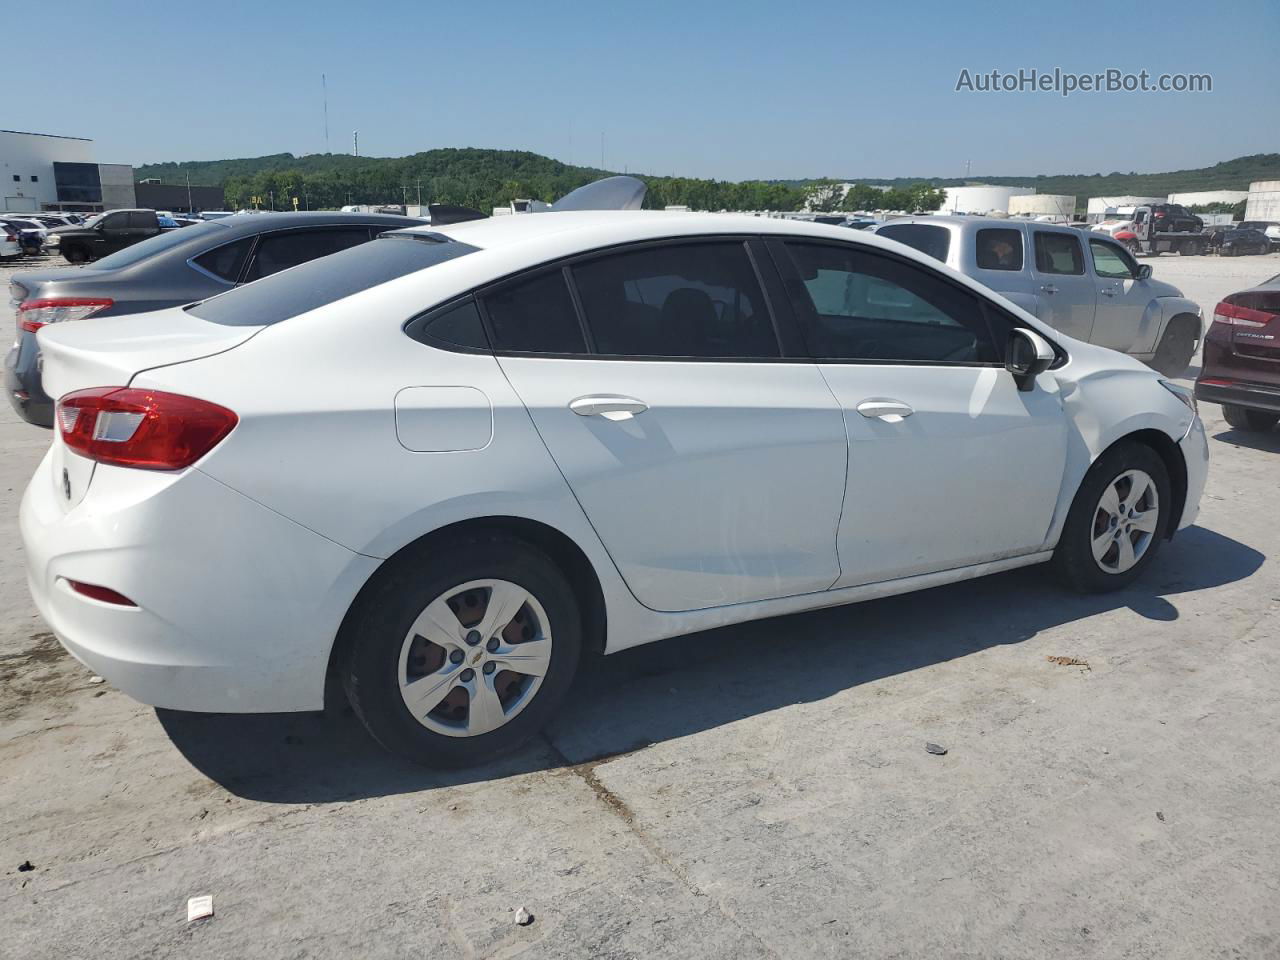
x=727 y=90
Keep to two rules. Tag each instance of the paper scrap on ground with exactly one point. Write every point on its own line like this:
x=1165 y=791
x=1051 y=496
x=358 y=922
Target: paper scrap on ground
x=199 y=907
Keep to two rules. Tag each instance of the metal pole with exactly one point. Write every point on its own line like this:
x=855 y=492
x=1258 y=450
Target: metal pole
x=189 y=207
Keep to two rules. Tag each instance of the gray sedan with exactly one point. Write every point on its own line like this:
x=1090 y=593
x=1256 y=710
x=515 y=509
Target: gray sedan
x=176 y=267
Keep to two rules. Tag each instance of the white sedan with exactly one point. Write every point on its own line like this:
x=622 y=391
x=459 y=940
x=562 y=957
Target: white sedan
x=447 y=464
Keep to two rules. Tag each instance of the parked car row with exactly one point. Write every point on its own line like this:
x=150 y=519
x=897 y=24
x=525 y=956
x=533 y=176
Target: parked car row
x=443 y=465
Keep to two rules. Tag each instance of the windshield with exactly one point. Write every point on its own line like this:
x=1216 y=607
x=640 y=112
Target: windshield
x=328 y=279
x=157 y=244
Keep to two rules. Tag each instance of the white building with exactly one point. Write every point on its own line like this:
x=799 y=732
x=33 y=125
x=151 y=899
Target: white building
x=42 y=171
x=981 y=198
x=1043 y=204
x=1206 y=197
x=1263 y=202
x=1096 y=207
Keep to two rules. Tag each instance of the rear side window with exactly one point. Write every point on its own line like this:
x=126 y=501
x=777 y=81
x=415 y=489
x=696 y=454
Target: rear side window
x=928 y=238
x=1059 y=253
x=677 y=300
x=863 y=306
x=280 y=251
x=535 y=315
x=227 y=261
x=325 y=281
x=142 y=219
x=999 y=249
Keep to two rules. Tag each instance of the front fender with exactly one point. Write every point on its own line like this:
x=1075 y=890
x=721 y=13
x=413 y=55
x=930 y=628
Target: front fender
x=1165 y=309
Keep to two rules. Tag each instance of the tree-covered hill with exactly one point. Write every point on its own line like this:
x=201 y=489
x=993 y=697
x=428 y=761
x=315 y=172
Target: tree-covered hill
x=485 y=178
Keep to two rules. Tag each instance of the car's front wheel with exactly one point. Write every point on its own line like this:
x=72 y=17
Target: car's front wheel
x=1117 y=520
x=1243 y=418
x=75 y=254
x=462 y=651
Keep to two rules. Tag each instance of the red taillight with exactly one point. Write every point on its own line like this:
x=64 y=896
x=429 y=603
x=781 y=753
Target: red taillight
x=141 y=428
x=102 y=594
x=34 y=314
x=1236 y=316
x=1159 y=216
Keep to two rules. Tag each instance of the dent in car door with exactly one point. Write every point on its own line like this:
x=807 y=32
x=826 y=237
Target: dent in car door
x=949 y=463
x=1066 y=292
x=709 y=481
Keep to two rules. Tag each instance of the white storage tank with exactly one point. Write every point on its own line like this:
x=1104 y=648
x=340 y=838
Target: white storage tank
x=1097 y=207
x=1042 y=204
x=1206 y=197
x=981 y=198
x=1264 y=200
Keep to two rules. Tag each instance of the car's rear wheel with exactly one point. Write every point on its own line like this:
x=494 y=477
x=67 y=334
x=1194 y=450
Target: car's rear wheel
x=462 y=652
x=1177 y=346
x=1117 y=520
x=1244 y=418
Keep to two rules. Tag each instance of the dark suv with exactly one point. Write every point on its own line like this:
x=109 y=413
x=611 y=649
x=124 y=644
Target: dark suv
x=1241 y=364
x=169 y=269
x=105 y=235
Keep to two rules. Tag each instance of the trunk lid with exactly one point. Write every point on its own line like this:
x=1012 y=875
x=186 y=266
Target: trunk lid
x=109 y=352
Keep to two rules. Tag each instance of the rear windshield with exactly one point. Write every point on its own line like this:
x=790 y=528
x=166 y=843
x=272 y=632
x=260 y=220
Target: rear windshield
x=319 y=282
x=931 y=240
x=153 y=245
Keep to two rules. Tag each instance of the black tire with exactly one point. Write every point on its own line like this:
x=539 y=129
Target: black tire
x=75 y=254
x=375 y=629
x=1245 y=418
x=1073 y=558
x=1177 y=346
x=1132 y=247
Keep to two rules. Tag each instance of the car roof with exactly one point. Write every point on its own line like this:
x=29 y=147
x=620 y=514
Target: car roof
x=258 y=222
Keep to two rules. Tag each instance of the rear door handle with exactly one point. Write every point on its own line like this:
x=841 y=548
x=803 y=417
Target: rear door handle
x=609 y=407
x=890 y=411
x=1049 y=288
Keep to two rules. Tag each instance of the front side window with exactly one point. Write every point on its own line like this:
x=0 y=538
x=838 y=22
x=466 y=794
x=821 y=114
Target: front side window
x=930 y=239
x=999 y=249
x=115 y=221
x=677 y=300
x=860 y=305
x=1111 y=262
x=1059 y=253
x=280 y=251
x=535 y=315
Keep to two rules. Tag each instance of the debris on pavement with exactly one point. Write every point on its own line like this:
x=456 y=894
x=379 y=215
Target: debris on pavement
x=199 y=907
x=1160 y=816
x=936 y=749
x=96 y=679
x=26 y=866
x=523 y=917
x=1069 y=662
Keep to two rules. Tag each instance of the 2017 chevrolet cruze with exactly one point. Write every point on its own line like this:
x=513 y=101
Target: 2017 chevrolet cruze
x=448 y=463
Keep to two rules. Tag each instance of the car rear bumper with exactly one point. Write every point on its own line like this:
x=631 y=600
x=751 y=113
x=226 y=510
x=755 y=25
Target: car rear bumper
x=237 y=606
x=1251 y=395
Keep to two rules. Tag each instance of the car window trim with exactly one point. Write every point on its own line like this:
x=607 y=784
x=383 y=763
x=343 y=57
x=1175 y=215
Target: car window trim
x=1117 y=249
x=416 y=327
x=1037 y=233
x=567 y=263
x=253 y=246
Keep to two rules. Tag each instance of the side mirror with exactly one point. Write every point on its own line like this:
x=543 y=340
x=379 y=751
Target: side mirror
x=1144 y=271
x=1027 y=356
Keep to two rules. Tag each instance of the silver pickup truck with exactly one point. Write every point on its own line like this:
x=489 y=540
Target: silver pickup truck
x=1084 y=284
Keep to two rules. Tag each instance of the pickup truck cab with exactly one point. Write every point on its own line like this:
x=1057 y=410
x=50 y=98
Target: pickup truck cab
x=1083 y=283
x=112 y=231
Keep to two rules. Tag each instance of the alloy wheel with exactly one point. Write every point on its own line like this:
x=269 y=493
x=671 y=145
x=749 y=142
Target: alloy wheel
x=474 y=658
x=1125 y=521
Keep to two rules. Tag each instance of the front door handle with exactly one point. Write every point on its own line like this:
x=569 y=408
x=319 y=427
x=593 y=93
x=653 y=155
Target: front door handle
x=1108 y=291
x=1049 y=288
x=609 y=407
x=890 y=411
